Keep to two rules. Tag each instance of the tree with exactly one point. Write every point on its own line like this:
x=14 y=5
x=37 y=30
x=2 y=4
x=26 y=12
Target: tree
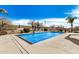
x=71 y=20
x=32 y=23
x=39 y=26
x=5 y=12
x=35 y=26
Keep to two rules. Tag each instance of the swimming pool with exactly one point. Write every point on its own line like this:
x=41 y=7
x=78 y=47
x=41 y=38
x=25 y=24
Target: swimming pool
x=36 y=37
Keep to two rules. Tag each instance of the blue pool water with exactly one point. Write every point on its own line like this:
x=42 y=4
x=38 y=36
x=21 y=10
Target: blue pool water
x=36 y=37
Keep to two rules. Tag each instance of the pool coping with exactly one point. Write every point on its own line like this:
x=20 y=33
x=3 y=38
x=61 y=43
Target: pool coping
x=24 y=39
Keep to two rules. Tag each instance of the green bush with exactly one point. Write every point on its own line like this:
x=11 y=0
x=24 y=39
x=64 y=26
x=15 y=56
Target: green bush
x=45 y=29
x=60 y=30
x=21 y=31
x=26 y=30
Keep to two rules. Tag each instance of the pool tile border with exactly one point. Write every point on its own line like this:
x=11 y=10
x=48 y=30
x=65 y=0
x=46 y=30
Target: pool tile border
x=24 y=40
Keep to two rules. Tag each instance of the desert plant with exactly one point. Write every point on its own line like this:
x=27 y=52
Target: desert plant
x=45 y=29
x=26 y=30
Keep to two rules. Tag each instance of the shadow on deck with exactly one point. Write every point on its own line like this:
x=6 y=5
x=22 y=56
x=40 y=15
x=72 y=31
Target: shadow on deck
x=75 y=41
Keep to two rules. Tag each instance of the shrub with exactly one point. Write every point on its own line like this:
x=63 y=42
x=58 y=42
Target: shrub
x=60 y=30
x=21 y=31
x=26 y=30
x=45 y=29
x=2 y=32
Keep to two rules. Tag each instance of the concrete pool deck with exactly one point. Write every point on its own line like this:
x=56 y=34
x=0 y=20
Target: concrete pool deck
x=11 y=44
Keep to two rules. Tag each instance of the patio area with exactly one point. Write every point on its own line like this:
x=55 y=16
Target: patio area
x=11 y=44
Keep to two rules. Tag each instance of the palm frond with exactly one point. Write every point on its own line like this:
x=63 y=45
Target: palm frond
x=71 y=19
x=3 y=11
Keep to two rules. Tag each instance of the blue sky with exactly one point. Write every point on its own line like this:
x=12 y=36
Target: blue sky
x=22 y=13
x=37 y=11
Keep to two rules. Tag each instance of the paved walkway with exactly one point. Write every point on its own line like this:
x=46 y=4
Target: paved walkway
x=58 y=45
x=9 y=45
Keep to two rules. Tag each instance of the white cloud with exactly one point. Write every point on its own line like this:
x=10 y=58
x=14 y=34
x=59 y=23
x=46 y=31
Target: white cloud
x=46 y=22
x=53 y=21
x=21 y=22
x=74 y=12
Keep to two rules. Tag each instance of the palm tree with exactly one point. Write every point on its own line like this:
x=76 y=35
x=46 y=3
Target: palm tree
x=5 y=12
x=71 y=20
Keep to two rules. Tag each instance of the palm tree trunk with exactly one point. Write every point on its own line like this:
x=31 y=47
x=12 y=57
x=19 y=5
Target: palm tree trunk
x=32 y=28
x=71 y=27
x=2 y=23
